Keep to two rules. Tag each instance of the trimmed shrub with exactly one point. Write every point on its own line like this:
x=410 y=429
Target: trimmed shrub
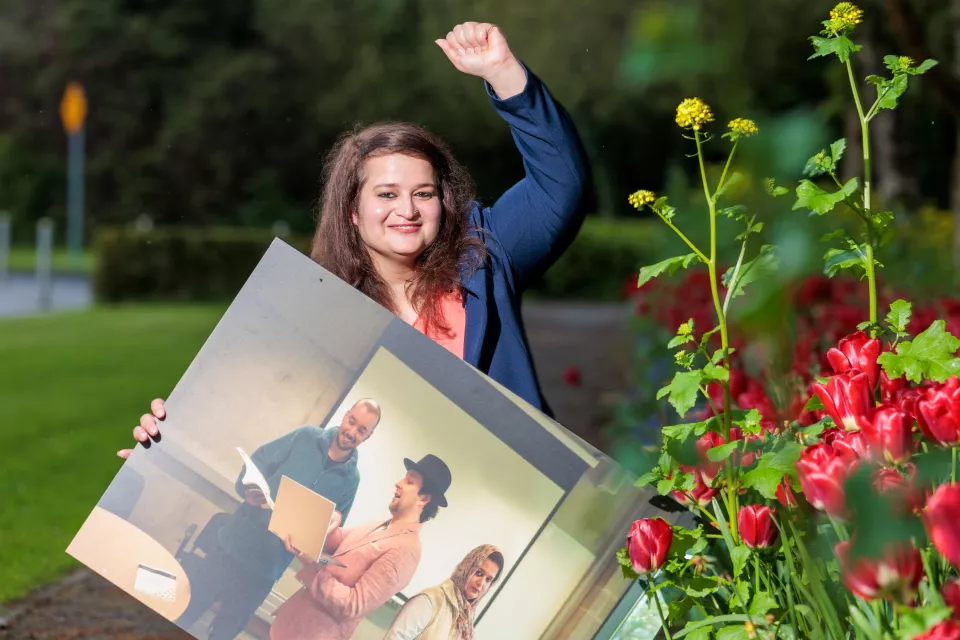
x=178 y=264
x=207 y=264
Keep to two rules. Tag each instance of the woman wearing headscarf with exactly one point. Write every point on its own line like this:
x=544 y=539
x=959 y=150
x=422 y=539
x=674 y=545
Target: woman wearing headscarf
x=446 y=611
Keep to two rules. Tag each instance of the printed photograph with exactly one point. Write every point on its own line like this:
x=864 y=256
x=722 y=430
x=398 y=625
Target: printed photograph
x=337 y=475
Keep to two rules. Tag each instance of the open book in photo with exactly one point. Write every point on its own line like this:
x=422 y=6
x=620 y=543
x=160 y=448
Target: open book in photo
x=253 y=478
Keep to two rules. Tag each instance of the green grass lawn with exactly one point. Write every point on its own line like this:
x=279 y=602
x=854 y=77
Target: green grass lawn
x=24 y=259
x=72 y=387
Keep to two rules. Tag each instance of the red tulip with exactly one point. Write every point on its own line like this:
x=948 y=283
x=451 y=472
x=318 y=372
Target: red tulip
x=890 y=388
x=896 y=576
x=951 y=596
x=938 y=413
x=941 y=517
x=847 y=398
x=648 y=544
x=702 y=493
x=822 y=472
x=785 y=494
x=907 y=400
x=852 y=446
x=890 y=434
x=946 y=630
x=859 y=353
x=709 y=469
x=756 y=526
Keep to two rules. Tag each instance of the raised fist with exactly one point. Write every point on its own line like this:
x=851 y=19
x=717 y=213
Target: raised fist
x=479 y=49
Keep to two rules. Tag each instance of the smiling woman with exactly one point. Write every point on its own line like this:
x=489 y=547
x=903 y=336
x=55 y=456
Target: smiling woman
x=399 y=222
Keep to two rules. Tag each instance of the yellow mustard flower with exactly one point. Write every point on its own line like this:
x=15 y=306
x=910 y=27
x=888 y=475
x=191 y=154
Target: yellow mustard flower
x=904 y=63
x=642 y=197
x=693 y=113
x=844 y=17
x=743 y=127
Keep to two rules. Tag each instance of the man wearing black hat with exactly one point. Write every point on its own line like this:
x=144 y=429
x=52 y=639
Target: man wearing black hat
x=379 y=559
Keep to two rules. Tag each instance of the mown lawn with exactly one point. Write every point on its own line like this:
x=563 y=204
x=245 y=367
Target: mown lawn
x=72 y=386
x=25 y=259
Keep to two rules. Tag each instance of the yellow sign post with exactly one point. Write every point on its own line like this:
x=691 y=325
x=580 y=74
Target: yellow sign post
x=73 y=113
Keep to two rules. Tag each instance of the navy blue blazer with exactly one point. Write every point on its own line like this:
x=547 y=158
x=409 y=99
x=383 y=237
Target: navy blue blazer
x=524 y=231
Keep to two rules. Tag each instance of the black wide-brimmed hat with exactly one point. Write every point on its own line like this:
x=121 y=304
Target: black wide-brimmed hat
x=435 y=474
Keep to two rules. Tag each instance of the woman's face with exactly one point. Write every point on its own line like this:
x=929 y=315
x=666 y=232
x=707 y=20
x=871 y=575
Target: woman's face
x=399 y=208
x=480 y=581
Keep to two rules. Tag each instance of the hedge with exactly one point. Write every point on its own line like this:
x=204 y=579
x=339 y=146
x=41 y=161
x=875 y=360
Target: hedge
x=193 y=264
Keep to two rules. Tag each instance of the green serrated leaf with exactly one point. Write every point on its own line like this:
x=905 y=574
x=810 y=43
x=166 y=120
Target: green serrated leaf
x=771 y=468
x=626 y=567
x=763 y=265
x=924 y=66
x=930 y=355
x=702 y=586
x=814 y=430
x=703 y=633
x=668 y=266
x=737 y=632
x=837 y=149
x=647 y=478
x=814 y=404
x=676 y=341
x=681 y=432
x=739 y=555
x=891 y=62
x=667 y=485
x=736 y=212
x=683 y=390
x=812 y=197
x=715 y=372
x=877 y=80
x=723 y=451
x=748 y=421
x=889 y=92
x=756 y=227
x=762 y=604
x=899 y=316
x=842 y=46
x=838 y=233
x=734 y=179
x=836 y=260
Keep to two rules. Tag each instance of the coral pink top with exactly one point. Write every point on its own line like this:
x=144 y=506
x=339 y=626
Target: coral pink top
x=456 y=318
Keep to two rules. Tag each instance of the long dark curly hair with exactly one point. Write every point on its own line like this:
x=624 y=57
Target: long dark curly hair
x=337 y=245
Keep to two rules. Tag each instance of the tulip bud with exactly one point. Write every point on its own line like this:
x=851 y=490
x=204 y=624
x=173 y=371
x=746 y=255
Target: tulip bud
x=852 y=446
x=890 y=434
x=895 y=576
x=648 y=544
x=859 y=353
x=702 y=494
x=938 y=413
x=822 y=472
x=941 y=517
x=785 y=494
x=756 y=526
x=946 y=630
x=847 y=399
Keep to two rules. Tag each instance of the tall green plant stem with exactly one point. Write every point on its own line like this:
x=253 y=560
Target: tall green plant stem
x=865 y=135
x=663 y=621
x=724 y=342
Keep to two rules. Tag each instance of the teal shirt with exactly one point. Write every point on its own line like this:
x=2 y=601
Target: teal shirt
x=301 y=455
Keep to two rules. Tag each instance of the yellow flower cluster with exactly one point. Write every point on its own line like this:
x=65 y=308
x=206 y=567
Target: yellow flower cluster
x=693 y=113
x=642 y=197
x=743 y=127
x=904 y=63
x=844 y=17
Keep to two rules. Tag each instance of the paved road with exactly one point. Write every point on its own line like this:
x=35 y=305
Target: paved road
x=20 y=294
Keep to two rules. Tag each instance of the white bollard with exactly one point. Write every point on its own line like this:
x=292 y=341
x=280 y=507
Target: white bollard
x=45 y=262
x=4 y=246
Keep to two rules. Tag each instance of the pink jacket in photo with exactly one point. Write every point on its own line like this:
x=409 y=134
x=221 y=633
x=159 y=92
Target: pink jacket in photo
x=335 y=599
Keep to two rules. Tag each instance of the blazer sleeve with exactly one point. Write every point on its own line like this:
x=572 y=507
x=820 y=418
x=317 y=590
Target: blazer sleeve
x=389 y=573
x=538 y=217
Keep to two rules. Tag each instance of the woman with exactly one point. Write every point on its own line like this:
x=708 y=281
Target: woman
x=398 y=220
x=446 y=611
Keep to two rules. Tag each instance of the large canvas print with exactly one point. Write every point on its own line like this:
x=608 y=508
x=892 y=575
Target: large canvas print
x=327 y=472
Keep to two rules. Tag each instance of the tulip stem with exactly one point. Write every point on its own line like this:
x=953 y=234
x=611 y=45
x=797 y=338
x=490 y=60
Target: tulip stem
x=869 y=267
x=953 y=464
x=724 y=340
x=840 y=530
x=663 y=622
